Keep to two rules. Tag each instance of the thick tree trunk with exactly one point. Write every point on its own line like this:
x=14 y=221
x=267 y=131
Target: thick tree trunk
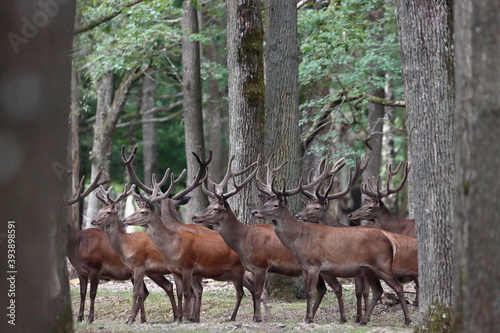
x=149 y=144
x=246 y=95
x=477 y=130
x=213 y=116
x=34 y=109
x=192 y=102
x=74 y=136
x=282 y=103
x=426 y=40
x=376 y=114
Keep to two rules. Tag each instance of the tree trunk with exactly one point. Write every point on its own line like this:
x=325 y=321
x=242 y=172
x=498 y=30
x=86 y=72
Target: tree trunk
x=282 y=104
x=376 y=114
x=34 y=109
x=426 y=42
x=477 y=129
x=192 y=100
x=246 y=95
x=75 y=218
x=150 y=147
x=109 y=106
x=214 y=107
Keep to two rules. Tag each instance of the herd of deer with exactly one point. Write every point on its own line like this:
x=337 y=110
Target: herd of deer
x=320 y=251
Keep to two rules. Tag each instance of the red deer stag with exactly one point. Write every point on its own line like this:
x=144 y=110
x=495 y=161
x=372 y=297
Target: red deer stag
x=169 y=216
x=136 y=250
x=316 y=211
x=258 y=247
x=188 y=254
x=337 y=252
x=375 y=210
x=91 y=254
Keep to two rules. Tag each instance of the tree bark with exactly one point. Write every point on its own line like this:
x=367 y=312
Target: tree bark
x=35 y=83
x=75 y=218
x=282 y=133
x=192 y=97
x=376 y=114
x=426 y=39
x=149 y=144
x=246 y=95
x=477 y=129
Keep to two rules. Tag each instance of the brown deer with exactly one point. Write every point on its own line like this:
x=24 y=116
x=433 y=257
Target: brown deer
x=136 y=251
x=337 y=252
x=258 y=247
x=375 y=210
x=169 y=216
x=91 y=254
x=316 y=211
x=190 y=255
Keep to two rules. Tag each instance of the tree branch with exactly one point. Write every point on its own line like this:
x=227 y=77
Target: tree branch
x=302 y=3
x=105 y=19
x=148 y=121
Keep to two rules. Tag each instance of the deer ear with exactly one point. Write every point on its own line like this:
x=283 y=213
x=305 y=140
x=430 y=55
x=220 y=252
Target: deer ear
x=305 y=201
x=182 y=201
x=367 y=201
x=263 y=198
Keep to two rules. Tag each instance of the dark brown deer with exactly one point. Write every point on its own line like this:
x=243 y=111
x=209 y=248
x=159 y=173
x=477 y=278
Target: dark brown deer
x=169 y=215
x=316 y=211
x=136 y=251
x=258 y=247
x=375 y=210
x=91 y=254
x=189 y=255
x=337 y=252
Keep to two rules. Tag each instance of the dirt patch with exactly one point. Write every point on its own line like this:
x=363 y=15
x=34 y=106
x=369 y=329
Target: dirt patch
x=114 y=302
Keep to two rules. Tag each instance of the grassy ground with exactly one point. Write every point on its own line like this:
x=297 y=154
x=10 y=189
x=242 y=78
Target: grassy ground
x=113 y=305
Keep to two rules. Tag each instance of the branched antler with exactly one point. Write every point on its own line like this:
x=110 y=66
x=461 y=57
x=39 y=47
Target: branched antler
x=104 y=195
x=218 y=192
x=372 y=186
x=95 y=184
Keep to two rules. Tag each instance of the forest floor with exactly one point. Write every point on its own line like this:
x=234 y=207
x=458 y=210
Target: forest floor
x=113 y=305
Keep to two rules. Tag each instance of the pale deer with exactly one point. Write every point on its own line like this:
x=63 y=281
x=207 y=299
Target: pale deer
x=91 y=254
x=338 y=252
x=136 y=251
x=169 y=215
x=375 y=210
x=188 y=254
x=316 y=211
x=258 y=247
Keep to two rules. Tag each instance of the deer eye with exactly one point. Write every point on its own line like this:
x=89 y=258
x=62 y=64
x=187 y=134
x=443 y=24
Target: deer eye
x=370 y=207
x=316 y=208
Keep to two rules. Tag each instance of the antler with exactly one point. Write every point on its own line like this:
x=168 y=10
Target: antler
x=270 y=189
x=353 y=178
x=266 y=187
x=103 y=195
x=96 y=183
x=373 y=191
x=200 y=177
x=218 y=192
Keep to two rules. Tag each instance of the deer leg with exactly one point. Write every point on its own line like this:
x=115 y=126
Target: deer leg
x=238 y=285
x=168 y=287
x=377 y=291
x=337 y=289
x=255 y=283
x=139 y=296
x=94 y=283
x=362 y=292
x=187 y=291
x=398 y=288
x=311 y=280
x=179 y=291
x=197 y=287
x=415 y=302
x=83 y=293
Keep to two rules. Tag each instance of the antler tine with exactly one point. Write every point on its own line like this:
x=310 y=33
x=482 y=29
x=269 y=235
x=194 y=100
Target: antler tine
x=103 y=195
x=131 y=170
x=308 y=193
x=391 y=173
x=238 y=187
x=267 y=187
x=201 y=176
x=353 y=178
x=95 y=184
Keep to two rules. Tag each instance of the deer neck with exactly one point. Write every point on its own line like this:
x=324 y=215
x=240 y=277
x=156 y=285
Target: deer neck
x=232 y=230
x=388 y=221
x=116 y=235
x=169 y=215
x=287 y=227
x=329 y=220
x=160 y=234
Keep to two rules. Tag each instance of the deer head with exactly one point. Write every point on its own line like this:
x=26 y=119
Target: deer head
x=109 y=213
